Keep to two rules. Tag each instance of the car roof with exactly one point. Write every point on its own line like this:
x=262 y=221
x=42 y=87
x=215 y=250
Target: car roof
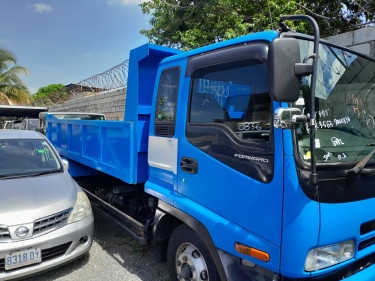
x=20 y=134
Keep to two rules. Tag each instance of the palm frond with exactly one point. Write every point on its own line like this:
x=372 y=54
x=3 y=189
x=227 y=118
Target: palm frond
x=12 y=88
x=6 y=57
x=4 y=98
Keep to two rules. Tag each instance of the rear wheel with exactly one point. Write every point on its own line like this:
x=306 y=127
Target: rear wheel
x=188 y=257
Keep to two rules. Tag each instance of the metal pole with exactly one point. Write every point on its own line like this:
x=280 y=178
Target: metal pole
x=315 y=56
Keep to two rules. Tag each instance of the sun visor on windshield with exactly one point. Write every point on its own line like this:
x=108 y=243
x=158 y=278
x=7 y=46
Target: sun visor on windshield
x=257 y=50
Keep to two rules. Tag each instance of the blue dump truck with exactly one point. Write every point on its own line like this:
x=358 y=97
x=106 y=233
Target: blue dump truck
x=248 y=159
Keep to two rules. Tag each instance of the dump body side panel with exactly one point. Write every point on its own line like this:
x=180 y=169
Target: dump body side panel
x=104 y=146
x=117 y=148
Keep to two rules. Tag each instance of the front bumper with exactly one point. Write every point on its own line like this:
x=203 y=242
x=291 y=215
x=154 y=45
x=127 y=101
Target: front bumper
x=360 y=270
x=58 y=247
x=367 y=274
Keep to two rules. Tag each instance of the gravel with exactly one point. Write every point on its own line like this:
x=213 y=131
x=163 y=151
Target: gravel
x=113 y=256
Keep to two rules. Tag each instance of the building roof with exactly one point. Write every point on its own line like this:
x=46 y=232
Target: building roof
x=21 y=111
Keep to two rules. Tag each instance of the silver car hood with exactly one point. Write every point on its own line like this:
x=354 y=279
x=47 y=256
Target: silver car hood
x=24 y=200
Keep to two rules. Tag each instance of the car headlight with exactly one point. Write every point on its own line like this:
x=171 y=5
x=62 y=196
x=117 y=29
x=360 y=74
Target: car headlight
x=82 y=208
x=323 y=257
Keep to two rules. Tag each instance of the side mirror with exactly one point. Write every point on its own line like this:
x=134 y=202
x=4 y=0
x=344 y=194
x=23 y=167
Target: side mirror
x=283 y=83
x=288 y=118
x=65 y=164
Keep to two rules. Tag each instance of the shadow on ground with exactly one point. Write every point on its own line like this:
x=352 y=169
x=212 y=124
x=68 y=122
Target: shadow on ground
x=113 y=256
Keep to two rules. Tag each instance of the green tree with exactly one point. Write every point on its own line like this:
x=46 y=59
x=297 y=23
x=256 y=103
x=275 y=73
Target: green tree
x=55 y=89
x=188 y=24
x=49 y=95
x=12 y=88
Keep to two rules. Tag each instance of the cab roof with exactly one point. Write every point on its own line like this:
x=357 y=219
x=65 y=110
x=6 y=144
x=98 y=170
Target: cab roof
x=260 y=36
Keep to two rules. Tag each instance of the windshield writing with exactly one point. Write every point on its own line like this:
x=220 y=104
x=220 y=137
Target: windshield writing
x=345 y=106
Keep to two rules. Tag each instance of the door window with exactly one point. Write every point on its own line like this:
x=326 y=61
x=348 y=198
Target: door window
x=234 y=95
x=230 y=116
x=166 y=101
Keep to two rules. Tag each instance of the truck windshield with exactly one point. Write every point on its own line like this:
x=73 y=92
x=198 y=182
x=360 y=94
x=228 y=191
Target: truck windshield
x=25 y=157
x=345 y=106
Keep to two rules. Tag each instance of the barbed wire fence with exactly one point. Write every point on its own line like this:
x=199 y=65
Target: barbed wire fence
x=111 y=79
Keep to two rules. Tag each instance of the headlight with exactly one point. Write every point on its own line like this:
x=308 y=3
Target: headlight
x=82 y=208
x=330 y=255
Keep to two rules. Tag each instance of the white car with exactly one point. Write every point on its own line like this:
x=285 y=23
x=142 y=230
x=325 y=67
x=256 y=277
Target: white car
x=45 y=218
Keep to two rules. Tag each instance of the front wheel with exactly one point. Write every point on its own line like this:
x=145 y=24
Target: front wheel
x=188 y=257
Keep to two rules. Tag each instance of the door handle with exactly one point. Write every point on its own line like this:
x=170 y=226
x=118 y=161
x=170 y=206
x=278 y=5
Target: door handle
x=189 y=165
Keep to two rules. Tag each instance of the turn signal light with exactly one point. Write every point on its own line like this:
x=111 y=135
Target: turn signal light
x=252 y=252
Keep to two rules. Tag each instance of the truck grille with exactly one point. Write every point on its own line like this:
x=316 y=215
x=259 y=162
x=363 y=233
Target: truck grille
x=47 y=254
x=4 y=233
x=51 y=223
x=164 y=130
x=367 y=227
x=366 y=243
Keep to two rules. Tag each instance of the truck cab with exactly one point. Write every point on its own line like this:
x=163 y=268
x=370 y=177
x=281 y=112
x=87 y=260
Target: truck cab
x=213 y=146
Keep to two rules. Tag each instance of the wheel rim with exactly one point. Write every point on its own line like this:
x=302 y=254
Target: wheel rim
x=190 y=264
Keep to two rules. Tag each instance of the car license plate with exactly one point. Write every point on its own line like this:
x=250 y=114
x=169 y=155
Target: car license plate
x=22 y=258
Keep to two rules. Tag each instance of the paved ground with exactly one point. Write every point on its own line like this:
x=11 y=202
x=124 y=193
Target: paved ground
x=113 y=256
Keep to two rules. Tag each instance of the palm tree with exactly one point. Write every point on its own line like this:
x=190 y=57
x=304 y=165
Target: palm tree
x=12 y=88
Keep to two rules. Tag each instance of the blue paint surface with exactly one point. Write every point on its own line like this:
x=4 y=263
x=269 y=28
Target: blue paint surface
x=106 y=146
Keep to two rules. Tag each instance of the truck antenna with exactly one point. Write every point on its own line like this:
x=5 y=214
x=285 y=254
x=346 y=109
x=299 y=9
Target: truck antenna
x=283 y=26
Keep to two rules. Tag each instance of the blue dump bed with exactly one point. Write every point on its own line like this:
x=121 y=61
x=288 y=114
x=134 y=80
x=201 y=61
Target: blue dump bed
x=105 y=146
x=117 y=148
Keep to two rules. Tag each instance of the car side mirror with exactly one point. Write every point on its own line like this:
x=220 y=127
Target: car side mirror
x=65 y=164
x=288 y=118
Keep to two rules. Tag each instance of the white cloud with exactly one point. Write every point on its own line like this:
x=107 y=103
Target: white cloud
x=42 y=8
x=125 y=2
x=86 y=55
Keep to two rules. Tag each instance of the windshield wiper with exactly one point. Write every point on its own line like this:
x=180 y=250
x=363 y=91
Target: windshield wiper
x=361 y=164
x=44 y=173
x=5 y=177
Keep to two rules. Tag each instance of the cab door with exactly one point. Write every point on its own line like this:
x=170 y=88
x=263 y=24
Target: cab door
x=163 y=138
x=230 y=158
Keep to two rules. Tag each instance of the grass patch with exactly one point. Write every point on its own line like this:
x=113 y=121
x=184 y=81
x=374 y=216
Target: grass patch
x=134 y=245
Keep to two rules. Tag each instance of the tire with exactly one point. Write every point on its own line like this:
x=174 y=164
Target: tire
x=189 y=258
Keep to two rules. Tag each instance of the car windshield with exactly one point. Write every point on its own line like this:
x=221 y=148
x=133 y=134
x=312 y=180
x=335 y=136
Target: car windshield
x=345 y=106
x=26 y=157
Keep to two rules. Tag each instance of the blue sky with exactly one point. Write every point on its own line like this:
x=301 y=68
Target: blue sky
x=66 y=41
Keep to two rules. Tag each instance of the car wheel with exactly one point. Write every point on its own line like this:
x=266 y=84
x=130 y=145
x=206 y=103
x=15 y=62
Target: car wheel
x=188 y=257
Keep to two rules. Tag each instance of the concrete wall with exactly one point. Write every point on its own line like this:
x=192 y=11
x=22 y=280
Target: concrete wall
x=111 y=103
x=361 y=40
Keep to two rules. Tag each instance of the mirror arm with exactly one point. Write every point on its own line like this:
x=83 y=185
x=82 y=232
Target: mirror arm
x=303 y=69
x=299 y=119
x=312 y=124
